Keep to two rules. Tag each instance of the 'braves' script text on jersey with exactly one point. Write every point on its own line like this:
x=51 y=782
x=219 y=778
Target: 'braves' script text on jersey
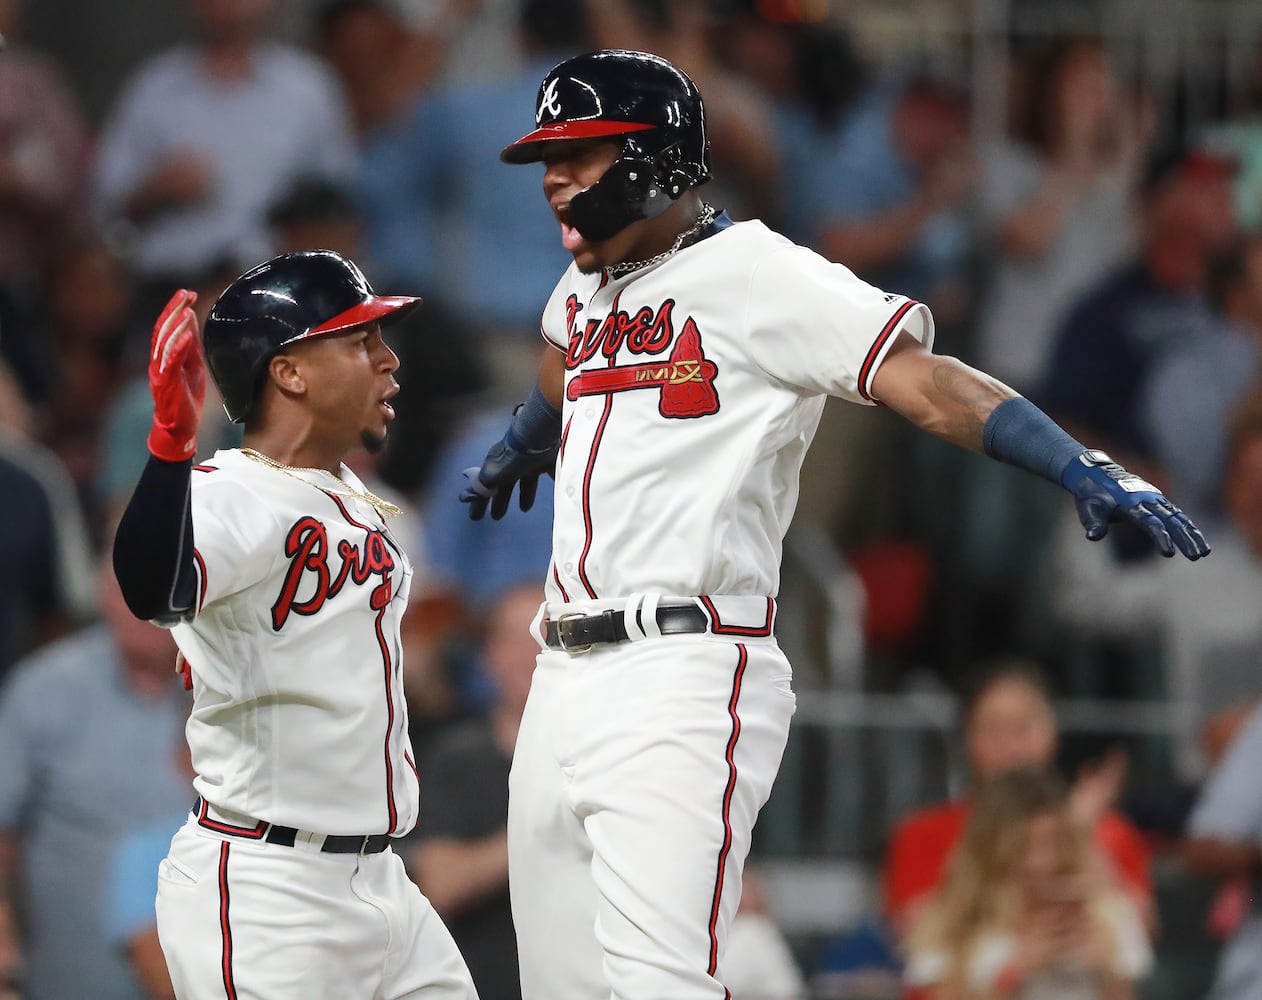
x=295 y=650
x=692 y=391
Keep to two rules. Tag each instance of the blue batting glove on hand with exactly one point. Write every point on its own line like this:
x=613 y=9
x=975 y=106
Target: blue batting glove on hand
x=504 y=465
x=1103 y=491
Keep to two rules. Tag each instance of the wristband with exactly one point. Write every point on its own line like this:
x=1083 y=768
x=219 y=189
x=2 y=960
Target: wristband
x=536 y=424
x=1019 y=433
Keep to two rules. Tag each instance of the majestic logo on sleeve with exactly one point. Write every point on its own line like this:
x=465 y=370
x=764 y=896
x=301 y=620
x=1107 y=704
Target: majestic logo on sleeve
x=307 y=547
x=686 y=378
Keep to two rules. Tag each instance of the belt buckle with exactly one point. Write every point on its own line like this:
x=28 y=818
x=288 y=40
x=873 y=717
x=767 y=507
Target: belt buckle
x=580 y=648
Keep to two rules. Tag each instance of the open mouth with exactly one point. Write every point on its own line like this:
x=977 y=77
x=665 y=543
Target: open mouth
x=571 y=238
x=387 y=410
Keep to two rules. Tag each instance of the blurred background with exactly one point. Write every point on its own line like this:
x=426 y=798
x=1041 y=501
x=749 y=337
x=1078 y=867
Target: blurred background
x=1073 y=186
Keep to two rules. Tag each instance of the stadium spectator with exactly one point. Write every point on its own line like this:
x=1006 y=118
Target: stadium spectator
x=206 y=136
x=744 y=143
x=460 y=857
x=87 y=329
x=1009 y=723
x=382 y=62
x=43 y=532
x=1193 y=389
x=88 y=731
x=444 y=215
x=897 y=220
x=1027 y=911
x=1205 y=625
x=1056 y=202
x=44 y=150
x=1111 y=339
x=1224 y=841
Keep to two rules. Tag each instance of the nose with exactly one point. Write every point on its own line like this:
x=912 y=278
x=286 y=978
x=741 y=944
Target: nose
x=556 y=176
x=387 y=360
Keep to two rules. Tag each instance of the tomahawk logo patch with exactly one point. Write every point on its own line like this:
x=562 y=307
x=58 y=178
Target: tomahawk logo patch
x=549 y=102
x=685 y=379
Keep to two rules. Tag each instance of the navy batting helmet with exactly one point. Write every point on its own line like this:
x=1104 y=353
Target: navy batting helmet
x=652 y=105
x=308 y=293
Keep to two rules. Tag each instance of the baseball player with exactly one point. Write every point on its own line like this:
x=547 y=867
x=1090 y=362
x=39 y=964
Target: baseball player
x=276 y=570
x=692 y=358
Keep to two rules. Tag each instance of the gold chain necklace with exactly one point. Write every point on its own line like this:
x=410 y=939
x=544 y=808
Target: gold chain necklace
x=383 y=507
x=684 y=238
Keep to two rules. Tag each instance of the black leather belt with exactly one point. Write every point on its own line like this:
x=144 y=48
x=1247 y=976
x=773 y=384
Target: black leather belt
x=577 y=633
x=285 y=836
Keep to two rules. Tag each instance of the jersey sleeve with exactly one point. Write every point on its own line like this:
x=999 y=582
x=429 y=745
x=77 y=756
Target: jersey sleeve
x=816 y=326
x=234 y=538
x=555 y=325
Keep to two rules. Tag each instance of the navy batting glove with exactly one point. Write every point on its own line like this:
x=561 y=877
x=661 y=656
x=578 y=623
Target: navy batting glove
x=1103 y=491
x=527 y=450
x=492 y=484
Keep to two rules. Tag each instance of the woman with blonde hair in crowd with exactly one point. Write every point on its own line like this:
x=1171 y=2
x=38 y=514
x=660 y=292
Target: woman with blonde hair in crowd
x=1028 y=910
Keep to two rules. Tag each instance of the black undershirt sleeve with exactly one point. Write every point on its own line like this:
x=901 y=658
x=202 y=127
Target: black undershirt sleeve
x=153 y=548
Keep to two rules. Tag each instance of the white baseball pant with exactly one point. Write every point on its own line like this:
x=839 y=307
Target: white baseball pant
x=638 y=774
x=244 y=920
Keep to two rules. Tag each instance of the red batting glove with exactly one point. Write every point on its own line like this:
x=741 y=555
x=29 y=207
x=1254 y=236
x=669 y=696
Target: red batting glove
x=177 y=379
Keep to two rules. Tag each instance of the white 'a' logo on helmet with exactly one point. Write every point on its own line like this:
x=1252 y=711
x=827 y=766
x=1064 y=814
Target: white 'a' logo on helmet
x=549 y=102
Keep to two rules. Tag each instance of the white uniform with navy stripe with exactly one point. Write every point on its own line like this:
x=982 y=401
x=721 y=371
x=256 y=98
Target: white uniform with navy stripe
x=693 y=389
x=299 y=741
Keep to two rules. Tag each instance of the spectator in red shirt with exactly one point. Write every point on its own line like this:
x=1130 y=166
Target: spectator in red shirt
x=1009 y=723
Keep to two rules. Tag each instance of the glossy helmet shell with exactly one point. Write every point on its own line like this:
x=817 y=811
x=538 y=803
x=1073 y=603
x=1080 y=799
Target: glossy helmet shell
x=289 y=298
x=652 y=105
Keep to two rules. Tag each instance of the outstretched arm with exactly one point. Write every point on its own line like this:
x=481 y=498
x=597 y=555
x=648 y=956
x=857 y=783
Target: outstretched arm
x=973 y=410
x=153 y=547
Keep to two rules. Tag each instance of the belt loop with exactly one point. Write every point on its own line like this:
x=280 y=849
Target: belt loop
x=631 y=618
x=647 y=617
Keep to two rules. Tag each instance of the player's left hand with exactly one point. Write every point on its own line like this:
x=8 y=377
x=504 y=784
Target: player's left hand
x=177 y=380
x=1103 y=491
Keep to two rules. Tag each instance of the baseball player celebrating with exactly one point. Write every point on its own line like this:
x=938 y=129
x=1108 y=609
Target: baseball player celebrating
x=693 y=356
x=276 y=569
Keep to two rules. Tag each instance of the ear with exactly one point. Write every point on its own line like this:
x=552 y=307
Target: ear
x=285 y=372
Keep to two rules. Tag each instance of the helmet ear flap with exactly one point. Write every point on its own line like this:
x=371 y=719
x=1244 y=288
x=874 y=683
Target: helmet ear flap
x=627 y=192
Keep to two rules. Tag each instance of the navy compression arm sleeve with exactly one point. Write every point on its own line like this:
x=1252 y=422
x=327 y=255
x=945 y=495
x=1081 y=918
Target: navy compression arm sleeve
x=153 y=548
x=1019 y=433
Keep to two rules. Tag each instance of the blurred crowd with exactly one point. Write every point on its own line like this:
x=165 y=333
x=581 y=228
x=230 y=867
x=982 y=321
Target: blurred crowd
x=1094 y=253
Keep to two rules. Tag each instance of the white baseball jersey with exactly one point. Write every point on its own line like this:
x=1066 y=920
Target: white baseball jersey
x=693 y=389
x=299 y=716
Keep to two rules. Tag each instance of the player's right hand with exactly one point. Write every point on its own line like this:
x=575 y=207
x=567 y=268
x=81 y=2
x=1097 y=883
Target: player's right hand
x=505 y=465
x=177 y=380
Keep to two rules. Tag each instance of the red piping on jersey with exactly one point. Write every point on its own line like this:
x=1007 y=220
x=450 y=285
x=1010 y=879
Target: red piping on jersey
x=869 y=362
x=587 y=483
x=225 y=928
x=201 y=571
x=388 y=665
x=205 y=468
x=561 y=457
x=254 y=832
x=755 y=631
x=742 y=660
x=560 y=586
